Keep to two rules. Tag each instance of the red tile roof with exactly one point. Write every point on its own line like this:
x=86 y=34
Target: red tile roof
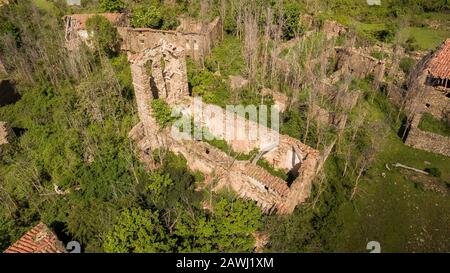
x=40 y=239
x=439 y=66
x=81 y=19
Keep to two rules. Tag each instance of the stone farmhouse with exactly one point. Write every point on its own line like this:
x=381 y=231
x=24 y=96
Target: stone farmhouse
x=431 y=81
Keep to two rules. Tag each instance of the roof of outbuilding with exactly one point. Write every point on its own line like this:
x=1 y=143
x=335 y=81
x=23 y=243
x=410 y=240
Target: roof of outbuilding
x=39 y=239
x=439 y=66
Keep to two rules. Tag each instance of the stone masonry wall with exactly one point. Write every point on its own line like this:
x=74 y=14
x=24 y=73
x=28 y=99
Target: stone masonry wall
x=427 y=141
x=196 y=40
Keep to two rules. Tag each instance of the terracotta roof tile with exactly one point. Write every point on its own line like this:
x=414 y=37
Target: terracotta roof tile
x=439 y=66
x=40 y=239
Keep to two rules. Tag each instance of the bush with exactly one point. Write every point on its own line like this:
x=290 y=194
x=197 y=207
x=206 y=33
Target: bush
x=433 y=172
x=112 y=5
x=146 y=17
x=406 y=65
x=411 y=44
x=162 y=112
x=153 y=16
x=103 y=35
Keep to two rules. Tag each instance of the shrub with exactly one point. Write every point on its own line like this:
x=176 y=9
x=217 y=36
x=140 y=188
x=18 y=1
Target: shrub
x=146 y=16
x=161 y=112
x=112 y=5
x=103 y=35
x=411 y=44
x=406 y=65
x=433 y=172
x=153 y=16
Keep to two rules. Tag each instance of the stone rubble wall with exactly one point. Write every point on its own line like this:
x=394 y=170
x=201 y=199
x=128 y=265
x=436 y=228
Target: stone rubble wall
x=358 y=64
x=427 y=141
x=196 y=45
x=282 y=156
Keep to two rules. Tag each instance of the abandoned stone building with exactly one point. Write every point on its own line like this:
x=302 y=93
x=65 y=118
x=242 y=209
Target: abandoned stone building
x=426 y=141
x=75 y=26
x=248 y=180
x=196 y=38
x=429 y=85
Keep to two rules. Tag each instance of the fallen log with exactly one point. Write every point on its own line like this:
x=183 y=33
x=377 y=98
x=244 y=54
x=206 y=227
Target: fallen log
x=398 y=165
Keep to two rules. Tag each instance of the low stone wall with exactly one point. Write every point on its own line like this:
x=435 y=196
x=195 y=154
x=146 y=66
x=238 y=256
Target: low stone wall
x=427 y=141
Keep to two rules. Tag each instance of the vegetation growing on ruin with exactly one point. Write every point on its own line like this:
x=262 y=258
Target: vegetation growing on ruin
x=431 y=124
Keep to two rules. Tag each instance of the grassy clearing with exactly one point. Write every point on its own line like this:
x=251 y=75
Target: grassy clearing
x=431 y=124
x=394 y=210
x=426 y=38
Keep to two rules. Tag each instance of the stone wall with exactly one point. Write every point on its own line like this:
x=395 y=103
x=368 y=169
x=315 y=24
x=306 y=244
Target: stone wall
x=286 y=153
x=196 y=39
x=358 y=64
x=436 y=102
x=427 y=141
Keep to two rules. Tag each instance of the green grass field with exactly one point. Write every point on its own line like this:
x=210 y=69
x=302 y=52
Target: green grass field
x=426 y=38
x=397 y=210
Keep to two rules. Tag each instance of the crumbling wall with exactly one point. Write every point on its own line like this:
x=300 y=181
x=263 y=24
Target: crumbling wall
x=158 y=72
x=333 y=29
x=427 y=141
x=75 y=27
x=436 y=103
x=358 y=64
x=286 y=154
x=196 y=39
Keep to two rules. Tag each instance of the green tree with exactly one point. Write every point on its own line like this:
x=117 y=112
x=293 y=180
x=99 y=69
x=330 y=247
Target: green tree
x=112 y=5
x=138 y=231
x=229 y=228
x=103 y=35
x=147 y=17
x=292 y=25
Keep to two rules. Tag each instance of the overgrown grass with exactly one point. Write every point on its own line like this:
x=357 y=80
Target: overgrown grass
x=425 y=37
x=392 y=209
x=431 y=124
